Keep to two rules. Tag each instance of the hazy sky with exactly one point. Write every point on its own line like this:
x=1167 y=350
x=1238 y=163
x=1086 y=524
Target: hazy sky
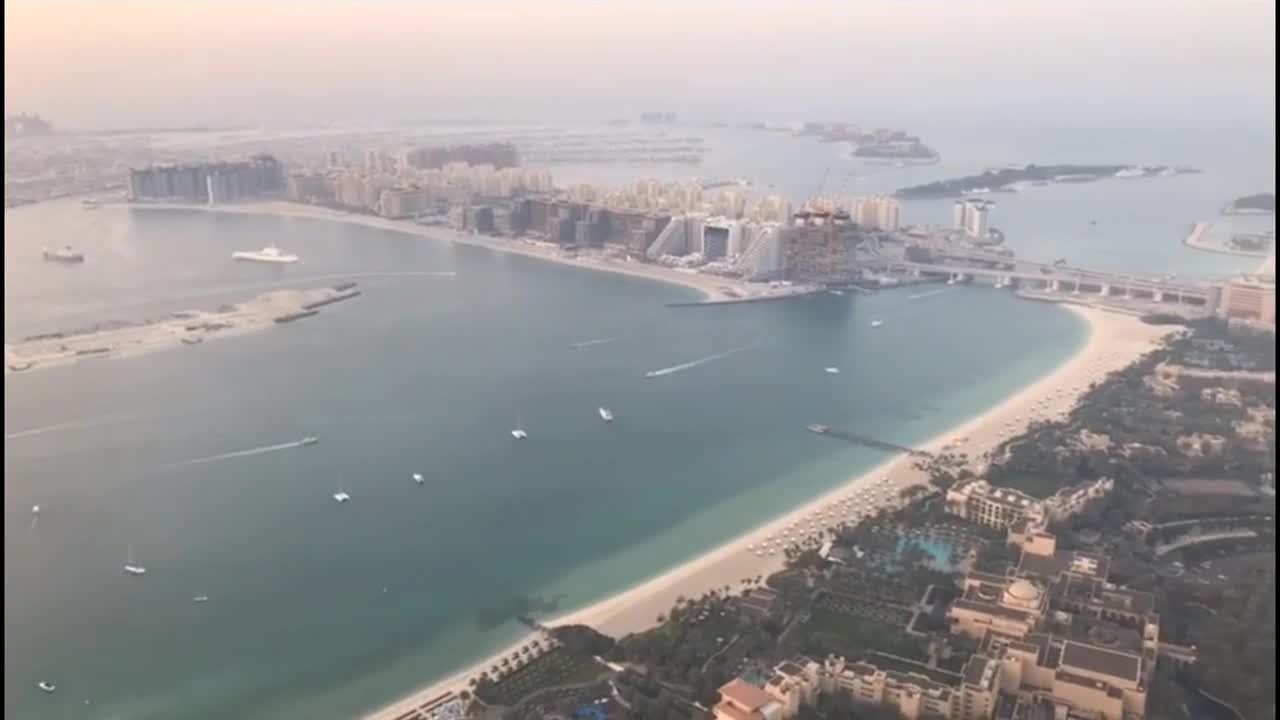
x=101 y=64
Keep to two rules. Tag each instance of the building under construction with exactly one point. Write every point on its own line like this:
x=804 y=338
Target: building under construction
x=818 y=247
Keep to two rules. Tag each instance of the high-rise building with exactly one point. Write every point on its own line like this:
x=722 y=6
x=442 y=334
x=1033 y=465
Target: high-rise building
x=216 y=182
x=878 y=212
x=403 y=202
x=971 y=217
x=818 y=247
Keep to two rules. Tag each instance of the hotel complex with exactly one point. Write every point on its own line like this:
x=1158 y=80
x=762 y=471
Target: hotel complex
x=1055 y=640
x=1054 y=637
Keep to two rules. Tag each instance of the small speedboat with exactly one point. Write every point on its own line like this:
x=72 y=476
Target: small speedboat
x=46 y=686
x=132 y=567
x=268 y=254
x=831 y=370
x=606 y=414
x=309 y=440
x=66 y=255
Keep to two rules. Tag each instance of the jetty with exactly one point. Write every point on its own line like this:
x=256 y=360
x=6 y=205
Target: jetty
x=865 y=440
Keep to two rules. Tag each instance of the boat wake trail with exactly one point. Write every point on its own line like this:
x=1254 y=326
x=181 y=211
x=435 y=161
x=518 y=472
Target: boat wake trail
x=699 y=361
x=241 y=453
x=64 y=427
x=597 y=341
x=921 y=296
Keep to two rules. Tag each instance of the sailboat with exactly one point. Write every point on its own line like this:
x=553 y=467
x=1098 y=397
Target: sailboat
x=132 y=567
x=519 y=432
x=341 y=496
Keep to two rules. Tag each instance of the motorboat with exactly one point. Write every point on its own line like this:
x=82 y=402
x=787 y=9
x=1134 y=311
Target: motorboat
x=200 y=598
x=831 y=370
x=268 y=254
x=35 y=509
x=519 y=434
x=309 y=440
x=65 y=255
x=417 y=477
x=606 y=414
x=341 y=496
x=46 y=686
x=132 y=567
x=877 y=323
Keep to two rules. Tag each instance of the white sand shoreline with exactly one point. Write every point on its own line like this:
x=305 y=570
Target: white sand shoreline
x=1114 y=341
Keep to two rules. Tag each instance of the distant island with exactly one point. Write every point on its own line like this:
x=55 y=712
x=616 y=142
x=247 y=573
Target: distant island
x=1256 y=204
x=880 y=144
x=1004 y=179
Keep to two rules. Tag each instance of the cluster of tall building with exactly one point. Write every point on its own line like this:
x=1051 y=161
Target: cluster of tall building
x=408 y=193
x=208 y=182
x=652 y=195
x=971 y=217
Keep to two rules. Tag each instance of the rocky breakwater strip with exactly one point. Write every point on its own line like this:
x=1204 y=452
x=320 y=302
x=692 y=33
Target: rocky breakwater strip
x=123 y=338
x=1007 y=179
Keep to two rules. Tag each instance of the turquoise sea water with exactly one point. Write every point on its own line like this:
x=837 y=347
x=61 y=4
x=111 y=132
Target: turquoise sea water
x=322 y=610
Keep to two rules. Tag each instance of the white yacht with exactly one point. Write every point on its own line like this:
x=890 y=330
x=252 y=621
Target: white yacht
x=132 y=567
x=606 y=414
x=268 y=254
x=417 y=477
x=66 y=255
x=831 y=370
x=877 y=323
x=341 y=496
x=46 y=686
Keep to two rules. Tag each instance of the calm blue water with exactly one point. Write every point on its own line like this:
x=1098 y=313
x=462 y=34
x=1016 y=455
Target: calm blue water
x=320 y=610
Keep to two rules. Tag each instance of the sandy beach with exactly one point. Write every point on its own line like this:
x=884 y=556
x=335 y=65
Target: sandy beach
x=1115 y=341
x=127 y=338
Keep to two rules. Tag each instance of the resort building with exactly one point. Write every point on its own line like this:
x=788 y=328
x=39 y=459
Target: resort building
x=913 y=695
x=1003 y=508
x=740 y=700
x=1249 y=297
x=794 y=683
x=1026 y=623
